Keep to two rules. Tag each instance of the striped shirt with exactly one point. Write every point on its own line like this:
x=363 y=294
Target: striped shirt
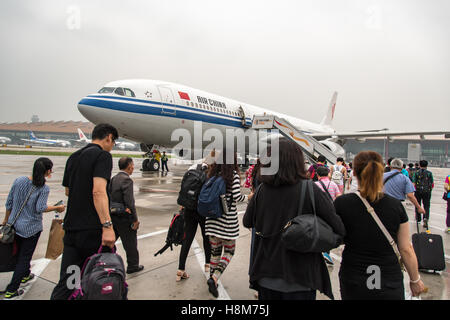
x=331 y=187
x=227 y=226
x=29 y=222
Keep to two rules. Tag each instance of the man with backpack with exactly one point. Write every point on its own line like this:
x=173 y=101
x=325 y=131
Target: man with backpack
x=321 y=162
x=87 y=223
x=339 y=174
x=424 y=183
x=398 y=185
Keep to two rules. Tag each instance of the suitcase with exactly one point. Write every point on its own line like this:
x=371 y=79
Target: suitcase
x=429 y=250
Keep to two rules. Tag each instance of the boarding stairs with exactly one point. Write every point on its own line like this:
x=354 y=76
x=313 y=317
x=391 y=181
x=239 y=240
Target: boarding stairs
x=311 y=147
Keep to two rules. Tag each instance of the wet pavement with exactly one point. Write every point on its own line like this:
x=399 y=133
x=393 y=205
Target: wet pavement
x=156 y=195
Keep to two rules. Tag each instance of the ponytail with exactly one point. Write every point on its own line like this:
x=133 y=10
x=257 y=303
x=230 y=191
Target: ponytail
x=369 y=169
x=41 y=166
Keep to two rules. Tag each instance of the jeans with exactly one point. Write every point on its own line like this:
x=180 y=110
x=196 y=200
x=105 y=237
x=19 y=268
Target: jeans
x=26 y=251
x=78 y=246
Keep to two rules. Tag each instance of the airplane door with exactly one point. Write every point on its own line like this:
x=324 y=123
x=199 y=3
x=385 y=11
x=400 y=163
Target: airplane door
x=168 y=101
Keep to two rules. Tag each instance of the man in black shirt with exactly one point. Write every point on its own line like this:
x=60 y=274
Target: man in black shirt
x=87 y=223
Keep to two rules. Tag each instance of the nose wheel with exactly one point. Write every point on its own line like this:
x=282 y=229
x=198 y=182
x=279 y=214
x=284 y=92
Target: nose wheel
x=150 y=165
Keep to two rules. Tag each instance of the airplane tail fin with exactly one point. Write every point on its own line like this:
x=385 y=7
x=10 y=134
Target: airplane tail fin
x=32 y=136
x=328 y=119
x=81 y=135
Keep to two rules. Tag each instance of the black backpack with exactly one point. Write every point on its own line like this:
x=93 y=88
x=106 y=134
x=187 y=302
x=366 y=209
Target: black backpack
x=102 y=278
x=175 y=234
x=191 y=185
x=423 y=181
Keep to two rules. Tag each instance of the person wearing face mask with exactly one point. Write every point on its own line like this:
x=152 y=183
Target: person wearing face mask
x=26 y=202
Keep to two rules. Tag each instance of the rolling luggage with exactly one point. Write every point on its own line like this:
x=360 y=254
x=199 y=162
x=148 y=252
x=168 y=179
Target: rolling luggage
x=429 y=250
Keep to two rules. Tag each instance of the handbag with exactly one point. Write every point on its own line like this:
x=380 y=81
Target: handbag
x=384 y=230
x=55 y=245
x=117 y=208
x=7 y=232
x=307 y=232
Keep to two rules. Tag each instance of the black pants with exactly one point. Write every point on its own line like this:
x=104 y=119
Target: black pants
x=424 y=197
x=26 y=250
x=164 y=164
x=78 y=246
x=268 y=294
x=191 y=220
x=122 y=229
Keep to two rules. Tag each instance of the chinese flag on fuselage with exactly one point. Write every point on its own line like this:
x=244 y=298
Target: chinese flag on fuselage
x=183 y=95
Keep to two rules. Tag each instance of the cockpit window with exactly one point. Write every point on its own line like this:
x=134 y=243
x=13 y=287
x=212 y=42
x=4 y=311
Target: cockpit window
x=106 y=90
x=119 y=91
x=129 y=92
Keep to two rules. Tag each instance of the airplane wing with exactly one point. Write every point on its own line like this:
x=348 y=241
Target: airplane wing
x=380 y=133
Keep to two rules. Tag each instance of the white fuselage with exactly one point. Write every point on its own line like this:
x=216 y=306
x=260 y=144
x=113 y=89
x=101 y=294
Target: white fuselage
x=149 y=111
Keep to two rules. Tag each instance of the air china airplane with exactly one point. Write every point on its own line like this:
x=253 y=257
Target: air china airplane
x=122 y=145
x=4 y=140
x=48 y=142
x=148 y=111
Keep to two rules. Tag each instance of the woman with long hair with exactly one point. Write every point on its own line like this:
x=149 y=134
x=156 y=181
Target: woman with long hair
x=224 y=231
x=276 y=272
x=368 y=254
x=32 y=194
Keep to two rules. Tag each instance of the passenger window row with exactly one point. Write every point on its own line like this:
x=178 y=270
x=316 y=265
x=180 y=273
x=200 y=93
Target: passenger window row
x=205 y=107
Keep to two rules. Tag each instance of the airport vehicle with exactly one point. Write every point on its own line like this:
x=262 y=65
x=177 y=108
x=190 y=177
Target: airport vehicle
x=4 y=140
x=149 y=111
x=122 y=145
x=49 y=142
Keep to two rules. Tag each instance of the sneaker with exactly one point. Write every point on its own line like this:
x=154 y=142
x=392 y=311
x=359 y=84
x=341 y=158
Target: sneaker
x=448 y=230
x=135 y=269
x=212 y=287
x=327 y=258
x=11 y=295
x=425 y=223
x=27 y=279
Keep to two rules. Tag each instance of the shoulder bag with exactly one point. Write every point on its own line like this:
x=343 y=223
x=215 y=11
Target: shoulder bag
x=7 y=232
x=383 y=229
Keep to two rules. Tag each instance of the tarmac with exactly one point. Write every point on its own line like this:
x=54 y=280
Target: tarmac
x=156 y=195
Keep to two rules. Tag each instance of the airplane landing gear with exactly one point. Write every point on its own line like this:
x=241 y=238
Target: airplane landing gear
x=149 y=164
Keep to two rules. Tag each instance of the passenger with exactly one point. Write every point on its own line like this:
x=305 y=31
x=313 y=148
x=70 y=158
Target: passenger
x=126 y=223
x=326 y=185
x=164 y=160
x=388 y=166
x=424 y=183
x=336 y=177
x=332 y=190
x=447 y=189
x=191 y=221
x=87 y=223
x=157 y=156
x=366 y=246
x=224 y=231
x=353 y=181
x=411 y=170
x=398 y=186
x=277 y=273
x=321 y=161
x=404 y=171
x=31 y=193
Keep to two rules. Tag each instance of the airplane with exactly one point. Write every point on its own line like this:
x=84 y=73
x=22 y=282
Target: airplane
x=4 y=140
x=48 y=142
x=148 y=111
x=122 y=145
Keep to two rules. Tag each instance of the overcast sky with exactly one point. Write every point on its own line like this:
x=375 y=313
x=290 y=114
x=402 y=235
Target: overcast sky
x=389 y=60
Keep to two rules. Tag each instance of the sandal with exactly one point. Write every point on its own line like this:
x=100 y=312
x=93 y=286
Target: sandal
x=207 y=267
x=181 y=274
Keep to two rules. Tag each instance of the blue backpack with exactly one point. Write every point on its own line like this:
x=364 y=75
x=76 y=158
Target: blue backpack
x=209 y=201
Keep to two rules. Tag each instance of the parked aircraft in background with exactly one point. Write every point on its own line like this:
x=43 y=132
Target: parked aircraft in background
x=4 y=140
x=148 y=111
x=48 y=142
x=122 y=145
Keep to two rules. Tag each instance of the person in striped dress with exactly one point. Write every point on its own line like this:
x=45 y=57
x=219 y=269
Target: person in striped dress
x=28 y=225
x=224 y=231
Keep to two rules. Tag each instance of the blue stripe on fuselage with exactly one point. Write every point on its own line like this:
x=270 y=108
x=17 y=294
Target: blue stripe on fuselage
x=157 y=111
x=165 y=104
